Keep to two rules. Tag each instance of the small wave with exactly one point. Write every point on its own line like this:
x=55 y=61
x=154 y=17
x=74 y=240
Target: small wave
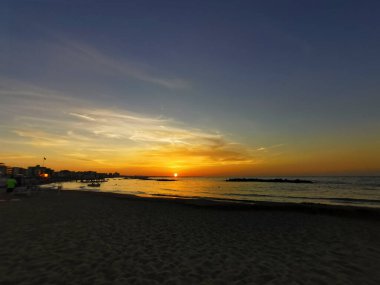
x=129 y=192
x=179 y=196
x=353 y=200
x=168 y=189
x=348 y=200
x=168 y=195
x=163 y=195
x=137 y=192
x=334 y=183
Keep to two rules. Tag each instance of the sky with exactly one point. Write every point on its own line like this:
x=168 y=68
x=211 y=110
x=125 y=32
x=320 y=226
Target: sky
x=219 y=88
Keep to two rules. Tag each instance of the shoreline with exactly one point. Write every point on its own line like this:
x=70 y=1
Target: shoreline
x=243 y=205
x=232 y=204
x=346 y=193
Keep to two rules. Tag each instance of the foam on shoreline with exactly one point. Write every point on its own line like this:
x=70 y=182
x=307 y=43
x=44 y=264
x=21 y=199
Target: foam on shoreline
x=239 y=205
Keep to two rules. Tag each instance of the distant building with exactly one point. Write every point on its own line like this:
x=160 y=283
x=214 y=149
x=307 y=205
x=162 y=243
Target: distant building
x=39 y=171
x=65 y=175
x=11 y=171
x=19 y=171
x=88 y=175
x=101 y=175
x=3 y=170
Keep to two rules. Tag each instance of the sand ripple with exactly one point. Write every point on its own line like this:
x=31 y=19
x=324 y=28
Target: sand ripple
x=80 y=238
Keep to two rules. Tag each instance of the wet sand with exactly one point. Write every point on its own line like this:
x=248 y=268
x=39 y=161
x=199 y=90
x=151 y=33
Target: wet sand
x=93 y=238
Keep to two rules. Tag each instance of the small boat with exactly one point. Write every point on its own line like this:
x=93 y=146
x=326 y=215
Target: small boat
x=94 y=184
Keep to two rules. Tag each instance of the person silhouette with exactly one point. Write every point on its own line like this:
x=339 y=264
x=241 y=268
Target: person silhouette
x=11 y=184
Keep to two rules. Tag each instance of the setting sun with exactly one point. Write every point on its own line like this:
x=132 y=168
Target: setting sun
x=175 y=174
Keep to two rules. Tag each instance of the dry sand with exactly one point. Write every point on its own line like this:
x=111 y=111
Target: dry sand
x=89 y=238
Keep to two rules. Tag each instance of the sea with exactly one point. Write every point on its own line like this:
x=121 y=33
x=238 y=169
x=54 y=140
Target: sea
x=350 y=191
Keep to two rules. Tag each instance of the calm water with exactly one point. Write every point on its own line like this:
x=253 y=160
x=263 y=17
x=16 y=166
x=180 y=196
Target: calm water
x=354 y=191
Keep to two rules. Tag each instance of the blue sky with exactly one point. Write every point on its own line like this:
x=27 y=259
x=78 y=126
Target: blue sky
x=289 y=77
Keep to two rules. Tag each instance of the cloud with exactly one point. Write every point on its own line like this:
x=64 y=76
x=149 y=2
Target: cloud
x=41 y=138
x=82 y=116
x=15 y=156
x=73 y=129
x=201 y=155
x=121 y=66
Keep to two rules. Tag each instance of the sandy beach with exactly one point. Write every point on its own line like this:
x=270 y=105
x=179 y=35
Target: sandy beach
x=92 y=238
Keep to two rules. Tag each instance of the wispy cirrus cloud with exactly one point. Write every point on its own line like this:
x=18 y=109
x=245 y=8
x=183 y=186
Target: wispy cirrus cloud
x=82 y=116
x=15 y=156
x=91 y=56
x=42 y=138
x=77 y=130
